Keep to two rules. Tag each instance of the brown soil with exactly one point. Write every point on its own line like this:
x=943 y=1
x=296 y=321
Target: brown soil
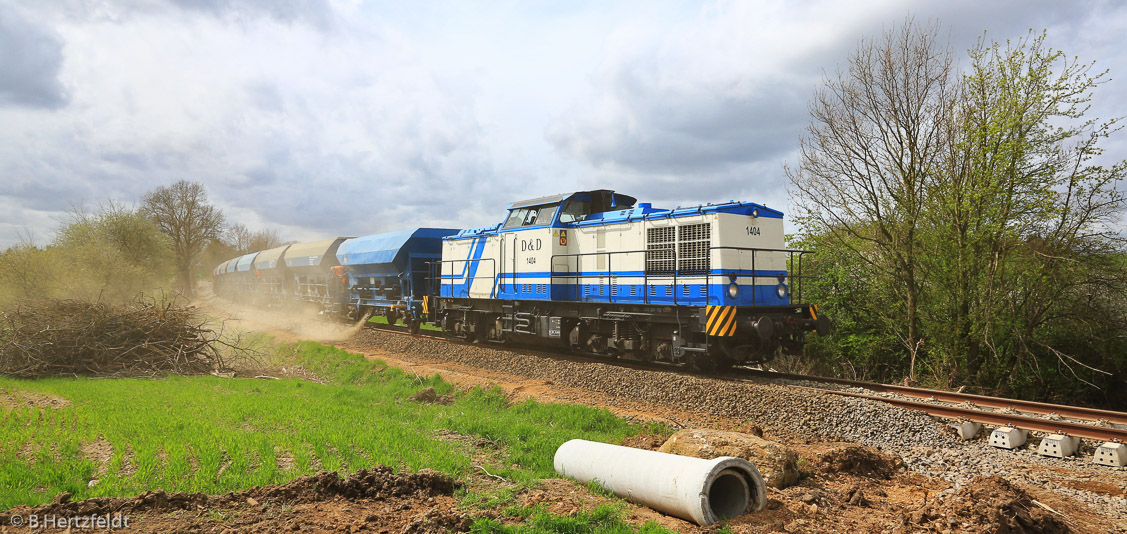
x=989 y=505
x=100 y=452
x=428 y=395
x=375 y=500
x=18 y=398
x=861 y=461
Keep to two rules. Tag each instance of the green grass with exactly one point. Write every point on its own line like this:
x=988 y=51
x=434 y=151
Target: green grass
x=605 y=519
x=215 y=435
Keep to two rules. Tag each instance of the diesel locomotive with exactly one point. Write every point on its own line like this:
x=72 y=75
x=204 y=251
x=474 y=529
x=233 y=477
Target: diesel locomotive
x=706 y=286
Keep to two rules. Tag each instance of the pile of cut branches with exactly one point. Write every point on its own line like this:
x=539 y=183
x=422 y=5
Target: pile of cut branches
x=53 y=337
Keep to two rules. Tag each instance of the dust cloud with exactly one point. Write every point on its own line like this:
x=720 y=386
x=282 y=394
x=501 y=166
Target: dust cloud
x=289 y=324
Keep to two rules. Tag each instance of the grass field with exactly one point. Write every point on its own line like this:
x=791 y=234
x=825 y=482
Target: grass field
x=214 y=435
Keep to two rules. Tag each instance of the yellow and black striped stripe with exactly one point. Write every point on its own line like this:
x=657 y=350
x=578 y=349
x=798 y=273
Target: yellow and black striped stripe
x=721 y=320
x=426 y=305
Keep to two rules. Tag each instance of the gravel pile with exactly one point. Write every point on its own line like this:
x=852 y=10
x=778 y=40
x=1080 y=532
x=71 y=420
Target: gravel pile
x=780 y=410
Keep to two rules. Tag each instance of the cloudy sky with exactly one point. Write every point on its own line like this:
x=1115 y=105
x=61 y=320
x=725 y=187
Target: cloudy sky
x=349 y=117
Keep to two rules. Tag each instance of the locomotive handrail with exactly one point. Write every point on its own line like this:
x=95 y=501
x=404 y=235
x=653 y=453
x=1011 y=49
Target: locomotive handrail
x=442 y=281
x=796 y=286
x=611 y=277
x=675 y=275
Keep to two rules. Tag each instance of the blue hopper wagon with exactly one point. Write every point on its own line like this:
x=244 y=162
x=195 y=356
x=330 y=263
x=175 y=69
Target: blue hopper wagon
x=389 y=274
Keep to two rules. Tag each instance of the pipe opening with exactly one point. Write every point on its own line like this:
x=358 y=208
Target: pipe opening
x=728 y=495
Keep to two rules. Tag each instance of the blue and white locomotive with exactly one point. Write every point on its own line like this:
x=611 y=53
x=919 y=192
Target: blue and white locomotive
x=707 y=286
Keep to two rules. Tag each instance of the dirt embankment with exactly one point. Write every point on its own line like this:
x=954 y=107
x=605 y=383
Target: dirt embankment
x=849 y=489
x=372 y=500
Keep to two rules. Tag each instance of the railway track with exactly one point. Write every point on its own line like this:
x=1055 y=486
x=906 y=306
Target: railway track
x=1077 y=421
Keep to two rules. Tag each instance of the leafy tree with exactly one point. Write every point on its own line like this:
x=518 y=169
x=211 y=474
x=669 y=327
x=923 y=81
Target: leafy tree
x=111 y=254
x=968 y=215
x=878 y=133
x=1024 y=219
x=183 y=213
x=26 y=271
x=862 y=346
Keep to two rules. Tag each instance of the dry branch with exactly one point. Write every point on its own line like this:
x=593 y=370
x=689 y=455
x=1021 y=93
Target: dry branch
x=54 y=337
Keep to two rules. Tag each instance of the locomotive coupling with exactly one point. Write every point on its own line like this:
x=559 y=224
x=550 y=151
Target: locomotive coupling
x=763 y=327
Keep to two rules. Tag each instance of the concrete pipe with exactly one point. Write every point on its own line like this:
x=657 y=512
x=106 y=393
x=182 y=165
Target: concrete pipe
x=701 y=491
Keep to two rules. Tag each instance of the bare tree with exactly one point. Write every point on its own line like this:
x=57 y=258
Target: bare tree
x=238 y=236
x=243 y=240
x=264 y=240
x=879 y=133
x=184 y=214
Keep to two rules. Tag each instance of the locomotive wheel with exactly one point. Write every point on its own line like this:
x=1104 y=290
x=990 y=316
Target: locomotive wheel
x=413 y=324
x=702 y=363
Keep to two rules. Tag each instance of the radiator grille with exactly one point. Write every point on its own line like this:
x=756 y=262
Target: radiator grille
x=693 y=243
x=660 y=250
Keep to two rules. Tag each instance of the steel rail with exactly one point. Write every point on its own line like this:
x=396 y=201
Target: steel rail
x=1018 y=421
x=1075 y=412
x=954 y=412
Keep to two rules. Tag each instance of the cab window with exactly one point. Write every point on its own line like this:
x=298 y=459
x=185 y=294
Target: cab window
x=541 y=215
x=516 y=218
x=537 y=216
x=575 y=210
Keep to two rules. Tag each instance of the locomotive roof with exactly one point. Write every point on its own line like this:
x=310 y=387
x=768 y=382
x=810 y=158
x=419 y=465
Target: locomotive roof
x=641 y=212
x=539 y=201
x=645 y=212
x=619 y=199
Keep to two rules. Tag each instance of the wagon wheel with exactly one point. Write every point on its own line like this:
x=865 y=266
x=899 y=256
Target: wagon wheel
x=391 y=317
x=414 y=324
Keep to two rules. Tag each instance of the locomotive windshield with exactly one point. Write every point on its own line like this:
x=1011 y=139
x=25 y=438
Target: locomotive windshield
x=531 y=216
x=575 y=210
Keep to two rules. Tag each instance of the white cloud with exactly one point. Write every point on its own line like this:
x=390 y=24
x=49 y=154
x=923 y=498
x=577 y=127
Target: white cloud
x=339 y=117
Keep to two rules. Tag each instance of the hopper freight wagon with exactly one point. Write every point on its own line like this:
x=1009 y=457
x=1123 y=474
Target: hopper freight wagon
x=220 y=281
x=242 y=281
x=270 y=275
x=389 y=274
x=314 y=275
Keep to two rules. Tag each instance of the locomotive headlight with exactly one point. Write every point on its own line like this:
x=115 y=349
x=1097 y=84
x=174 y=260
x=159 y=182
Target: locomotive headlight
x=781 y=291
x=733 y=290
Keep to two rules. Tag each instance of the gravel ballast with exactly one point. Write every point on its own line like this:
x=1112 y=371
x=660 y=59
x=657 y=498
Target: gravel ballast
x=804 y=414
